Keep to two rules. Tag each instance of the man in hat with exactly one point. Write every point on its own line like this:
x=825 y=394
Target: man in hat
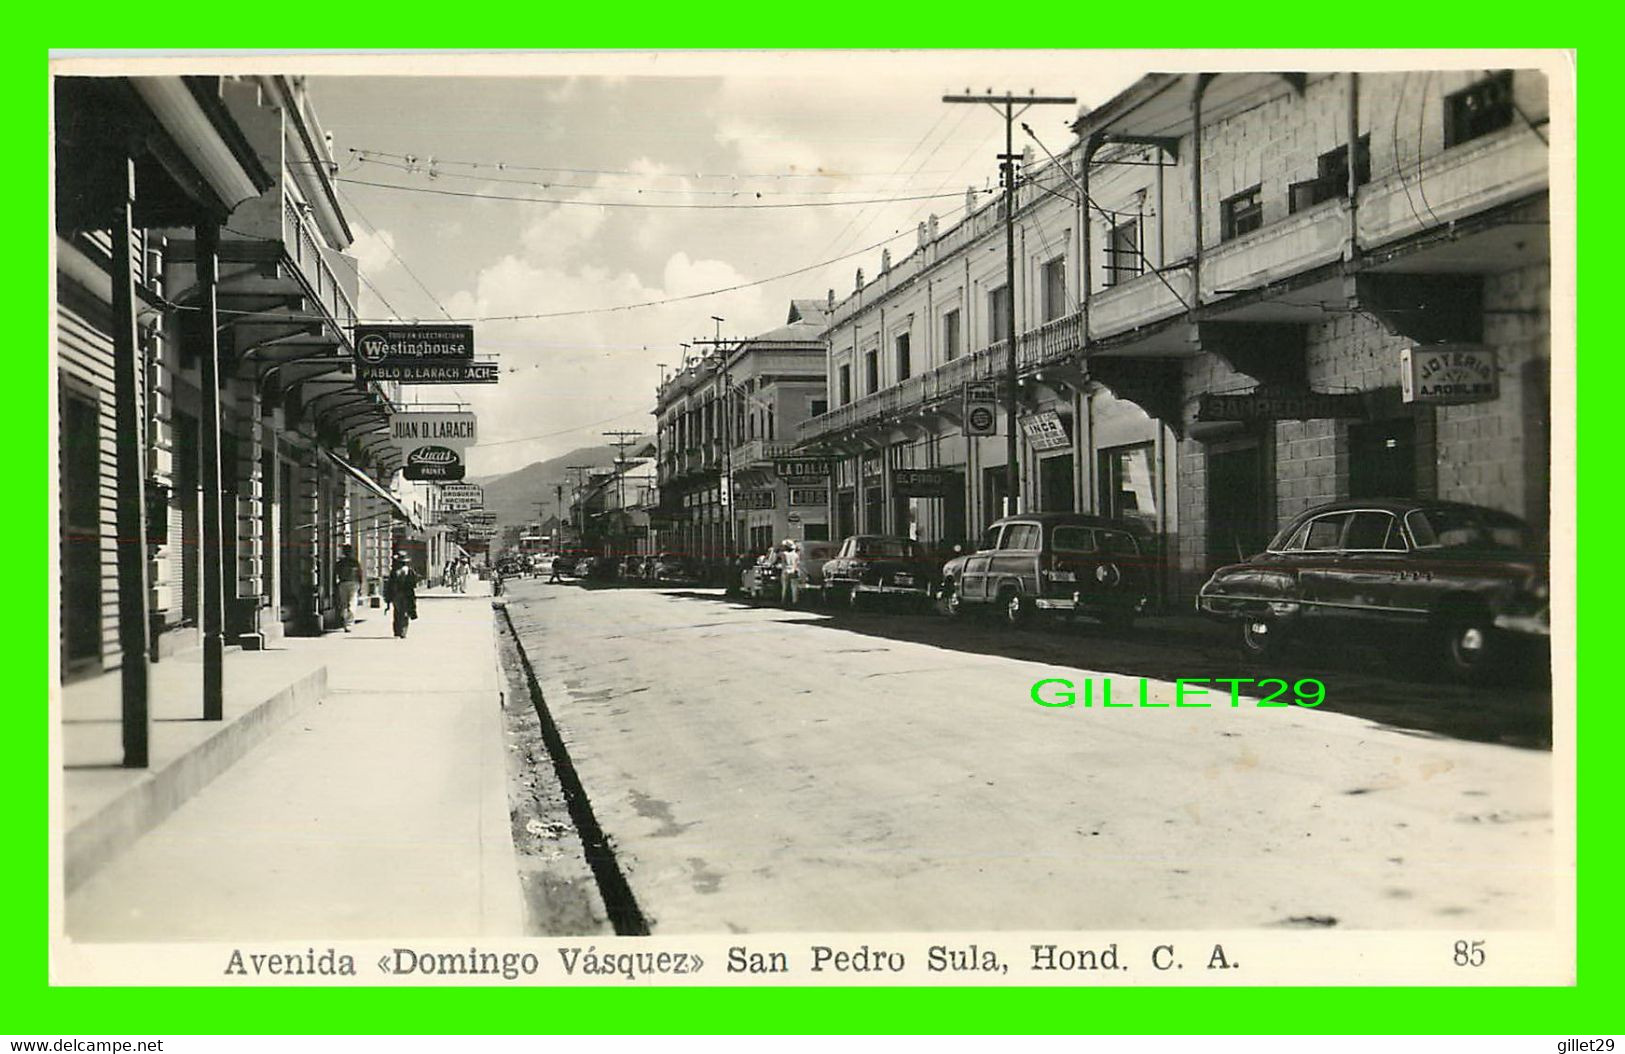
x=789 y=573
x=347 y=572
x=400 y=589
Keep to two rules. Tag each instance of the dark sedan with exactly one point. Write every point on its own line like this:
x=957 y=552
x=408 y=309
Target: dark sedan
x=873 y=565
x=1460 y=583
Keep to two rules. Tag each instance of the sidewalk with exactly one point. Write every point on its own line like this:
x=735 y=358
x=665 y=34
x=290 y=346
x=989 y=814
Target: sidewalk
x=379 y=811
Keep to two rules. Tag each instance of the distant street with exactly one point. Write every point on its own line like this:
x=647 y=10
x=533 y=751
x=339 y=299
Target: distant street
x=764 y=770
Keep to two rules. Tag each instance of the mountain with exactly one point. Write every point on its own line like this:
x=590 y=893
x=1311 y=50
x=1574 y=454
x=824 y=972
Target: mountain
x=513 y=495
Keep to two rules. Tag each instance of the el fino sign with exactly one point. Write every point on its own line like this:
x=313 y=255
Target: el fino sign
x=1448 y=373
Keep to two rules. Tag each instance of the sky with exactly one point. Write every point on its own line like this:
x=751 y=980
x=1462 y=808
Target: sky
x=592 y=138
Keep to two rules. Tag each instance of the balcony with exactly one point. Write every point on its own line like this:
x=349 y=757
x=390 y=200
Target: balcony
x=1140 y=301
x=1300 y=242
x=760 y=452
x=1493 y=170
x=317 y=264
x=1051 y=343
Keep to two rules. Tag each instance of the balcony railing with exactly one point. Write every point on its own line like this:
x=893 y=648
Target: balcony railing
x=305 y=249
x=1493 y=170
x=1298 y=243
x=1050 y=343
x=756 y=451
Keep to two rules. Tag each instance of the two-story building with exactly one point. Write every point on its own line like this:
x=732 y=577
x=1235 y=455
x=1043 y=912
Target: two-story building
x=1237 y=294
x=726 y=425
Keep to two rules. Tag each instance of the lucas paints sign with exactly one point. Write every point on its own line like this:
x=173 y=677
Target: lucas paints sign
x=431 y=463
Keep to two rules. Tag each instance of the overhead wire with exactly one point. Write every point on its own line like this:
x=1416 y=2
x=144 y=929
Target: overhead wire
x=637 y=204
x=502 y=166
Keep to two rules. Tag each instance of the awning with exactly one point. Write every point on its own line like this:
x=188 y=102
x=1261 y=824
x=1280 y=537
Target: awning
x=401 y=511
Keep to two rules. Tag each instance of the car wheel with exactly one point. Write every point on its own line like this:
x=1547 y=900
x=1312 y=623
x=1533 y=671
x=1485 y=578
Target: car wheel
x=1470 y=646
x=1261 y=638
x=1017 y=608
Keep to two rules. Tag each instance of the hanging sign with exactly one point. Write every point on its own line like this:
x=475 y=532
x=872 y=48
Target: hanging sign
x=1045 y=431
x=399 y=345
x=807 y=496
x=433 y=463
x=981 y=410
x=460 y=497
x=430 y=373
x=413 y=429
x=1448 y=373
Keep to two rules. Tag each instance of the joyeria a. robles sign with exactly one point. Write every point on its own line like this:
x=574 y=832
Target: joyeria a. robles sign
x=434 y=463
x=1448 y=373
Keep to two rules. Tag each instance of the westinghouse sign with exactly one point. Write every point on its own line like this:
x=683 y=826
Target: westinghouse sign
x=1448 y=373
x=420 y=355
x=400 y=345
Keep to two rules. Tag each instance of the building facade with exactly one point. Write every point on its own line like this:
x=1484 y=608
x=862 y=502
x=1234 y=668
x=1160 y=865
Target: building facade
x=727 y=424
x=214 y=450
x=1229 y=288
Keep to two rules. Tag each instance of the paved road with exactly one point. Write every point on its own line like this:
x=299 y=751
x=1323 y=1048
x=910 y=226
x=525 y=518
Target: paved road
x=762 y=770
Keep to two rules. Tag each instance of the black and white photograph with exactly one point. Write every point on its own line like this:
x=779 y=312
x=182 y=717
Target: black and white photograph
x=873 y=517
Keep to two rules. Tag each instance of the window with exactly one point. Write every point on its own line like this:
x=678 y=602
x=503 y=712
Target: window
x=990 y=539
x=846 y=383
x=1020 y=536
x=1123 y=259
x=886 y=547
x=817 y=407
x=902 y=357
x=1324 y=533
x=1074 y=539
x=871 y=366
x=998 y=314
x=950 y=335
x=1119 y=544
x=1128 y=483
x=1372 y=530
x=1241 y=214
x=1332 y=178
x=1466 y=528
x=1478 y=110
x=1052 y=280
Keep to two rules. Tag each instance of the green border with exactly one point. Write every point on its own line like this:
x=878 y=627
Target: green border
x=37 y=1008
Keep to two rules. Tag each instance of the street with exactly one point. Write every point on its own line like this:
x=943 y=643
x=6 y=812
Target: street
x=757 y=770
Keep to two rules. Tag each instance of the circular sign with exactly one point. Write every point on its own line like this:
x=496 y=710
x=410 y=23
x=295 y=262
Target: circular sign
x=794 y=517
x=981 y=418
x=373 y=348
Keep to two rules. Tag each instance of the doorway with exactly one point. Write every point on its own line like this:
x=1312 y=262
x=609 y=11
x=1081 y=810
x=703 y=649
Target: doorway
x=1238 y=521
x=1382 y=459
x=1055 y=484
x=80 y=533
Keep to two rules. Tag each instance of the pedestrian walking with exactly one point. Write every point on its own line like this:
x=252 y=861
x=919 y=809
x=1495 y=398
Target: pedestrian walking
x=554 y=567
x=790 y=573
x=400 y=590
x=347 y=575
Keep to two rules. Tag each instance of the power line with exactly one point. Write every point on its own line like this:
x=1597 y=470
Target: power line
x=433 y=173
x=503 y=166
x=642 y=204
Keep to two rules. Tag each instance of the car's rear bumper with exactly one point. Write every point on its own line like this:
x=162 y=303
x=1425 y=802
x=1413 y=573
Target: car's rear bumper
x=1536 y=625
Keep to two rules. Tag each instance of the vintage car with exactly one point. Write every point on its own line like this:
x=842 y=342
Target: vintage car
x=809 y=573
x=1458 y=582
x=873 y=565
x=1054 y=561
x=672 y=567
x=760 y=581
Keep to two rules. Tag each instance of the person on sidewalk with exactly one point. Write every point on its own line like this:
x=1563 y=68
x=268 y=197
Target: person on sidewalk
x=347 y=573
x=400 y=590
x=790 y=573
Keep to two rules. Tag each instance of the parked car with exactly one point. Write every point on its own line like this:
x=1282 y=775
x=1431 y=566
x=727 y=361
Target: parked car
x=1054 y=561
x=760 y=582
x=809 y=574
x=673 y=567
x=563 y=563
x=1460 y=582
x=874 y=565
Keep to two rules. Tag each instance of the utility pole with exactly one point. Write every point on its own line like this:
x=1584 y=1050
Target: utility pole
x=621 y=439
x=1007 y=169
x=578 y=470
